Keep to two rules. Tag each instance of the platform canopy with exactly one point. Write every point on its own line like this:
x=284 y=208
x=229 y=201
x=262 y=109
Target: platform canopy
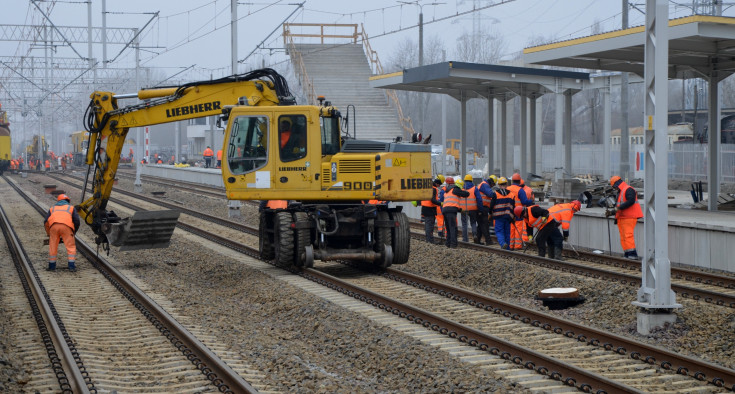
x=704 y=44
x=464 y=81
x=480 y=80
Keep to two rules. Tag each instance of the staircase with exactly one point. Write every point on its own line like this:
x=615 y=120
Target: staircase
x=340 y=73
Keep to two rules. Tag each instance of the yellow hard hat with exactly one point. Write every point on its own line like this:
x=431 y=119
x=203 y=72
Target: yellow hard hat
x=493 y=178
x=468 y=177
x=502 y=181
x=440 y=177
x=459 y=182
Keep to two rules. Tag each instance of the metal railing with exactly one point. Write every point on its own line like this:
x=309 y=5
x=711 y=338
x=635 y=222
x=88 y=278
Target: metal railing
x=375 y=66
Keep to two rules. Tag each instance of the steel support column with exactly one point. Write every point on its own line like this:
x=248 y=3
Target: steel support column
x=490 y=134
x=503 y=135
x=463 y=134
x=655 y=297
x=568 y=131
x=714 y=142
x=532 y=153
x=524 y=135
x=606 y=126
x=559 y=126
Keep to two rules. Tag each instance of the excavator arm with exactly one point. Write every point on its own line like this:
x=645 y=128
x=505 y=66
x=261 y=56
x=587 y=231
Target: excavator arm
x=108 y=125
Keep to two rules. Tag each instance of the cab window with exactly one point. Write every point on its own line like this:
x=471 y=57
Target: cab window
x=292 y=137
x=330 y=135
x=247 y=149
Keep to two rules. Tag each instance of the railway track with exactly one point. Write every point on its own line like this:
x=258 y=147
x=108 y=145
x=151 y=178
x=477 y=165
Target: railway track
x=125 y=339
x=708 y=287
x=484 y=325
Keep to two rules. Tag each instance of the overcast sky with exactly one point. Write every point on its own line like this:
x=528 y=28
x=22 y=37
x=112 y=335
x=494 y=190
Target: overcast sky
x=196 y=32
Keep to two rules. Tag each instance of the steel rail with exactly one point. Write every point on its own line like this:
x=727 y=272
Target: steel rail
x=600 y=273
x=686 y=274
x=71 y=378
x=216 y=370
x=699 y=369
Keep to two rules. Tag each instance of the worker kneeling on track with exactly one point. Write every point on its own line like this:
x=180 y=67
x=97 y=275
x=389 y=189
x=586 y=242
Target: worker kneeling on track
x=62 y=222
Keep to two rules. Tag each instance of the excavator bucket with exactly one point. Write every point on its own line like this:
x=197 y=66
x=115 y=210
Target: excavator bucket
x=145 y=230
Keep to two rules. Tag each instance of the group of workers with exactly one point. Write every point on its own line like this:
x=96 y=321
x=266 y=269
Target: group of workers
x=511 y=210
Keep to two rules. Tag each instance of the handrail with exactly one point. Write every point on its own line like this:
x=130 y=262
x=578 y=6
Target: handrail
x=375 y=66
x=299 y=67
x=372 y=55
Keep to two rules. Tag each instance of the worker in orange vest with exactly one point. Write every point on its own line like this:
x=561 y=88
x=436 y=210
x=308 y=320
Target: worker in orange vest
x=208 y=155
x=450 y=208
x=429 y=209
x=62 y=222
x=548 y=228
x=562 y=214
x=627 y=211
x=518 y=227
x=219 y=158
x=47 y=165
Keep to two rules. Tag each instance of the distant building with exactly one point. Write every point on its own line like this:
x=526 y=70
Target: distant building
x=681 y=131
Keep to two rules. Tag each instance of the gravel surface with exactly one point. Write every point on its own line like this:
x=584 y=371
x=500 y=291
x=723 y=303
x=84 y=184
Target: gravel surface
x=702 y=330
x=303 y=343
x=307 y=344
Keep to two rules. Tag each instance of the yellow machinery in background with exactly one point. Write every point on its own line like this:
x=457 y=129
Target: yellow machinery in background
x=273 y=150
x=32 y=149
x=80 y=143
x=6 y=153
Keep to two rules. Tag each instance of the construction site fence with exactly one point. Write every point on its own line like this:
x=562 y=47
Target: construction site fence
x=686 y=161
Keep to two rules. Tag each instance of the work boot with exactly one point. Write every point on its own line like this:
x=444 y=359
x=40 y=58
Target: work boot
x=632 y=255
x=441 y=234
x=476 y=240
x=51 y=267
x=72 y=266
x=558 y=253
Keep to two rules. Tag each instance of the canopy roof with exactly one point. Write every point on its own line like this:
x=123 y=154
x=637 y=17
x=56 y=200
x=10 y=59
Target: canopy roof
x=704 y=44
x=480 y=80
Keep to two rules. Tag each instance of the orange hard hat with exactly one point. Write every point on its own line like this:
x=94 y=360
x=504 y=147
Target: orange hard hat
x=518 y=211
x=63 y=197
x=614 y=179
x=516 y=177
x=576 y=205
x=449 y=180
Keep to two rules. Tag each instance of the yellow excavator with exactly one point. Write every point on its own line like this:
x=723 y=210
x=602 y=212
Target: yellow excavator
x=334 y=189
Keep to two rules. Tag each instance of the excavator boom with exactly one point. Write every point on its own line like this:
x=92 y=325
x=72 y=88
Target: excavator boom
x=108 y=124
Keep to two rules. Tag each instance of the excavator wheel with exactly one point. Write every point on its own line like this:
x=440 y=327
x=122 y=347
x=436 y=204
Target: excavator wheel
x=284 y=238
x=401 y=238
x=302 y=237
x=383 y=241
x=265 y=244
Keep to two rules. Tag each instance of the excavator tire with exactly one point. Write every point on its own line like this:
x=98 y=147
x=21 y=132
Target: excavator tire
x=265 y=244
x=302 y=237
x=383 y=238
x=284 y=238
x=401 y=238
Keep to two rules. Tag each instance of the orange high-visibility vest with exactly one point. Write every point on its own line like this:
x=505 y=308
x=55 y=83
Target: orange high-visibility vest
x=61 y=214
x=470 y=203
x=632 y=212
x=428 y=203
x=451 y=199
x=538 y=222
x=563 y=214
